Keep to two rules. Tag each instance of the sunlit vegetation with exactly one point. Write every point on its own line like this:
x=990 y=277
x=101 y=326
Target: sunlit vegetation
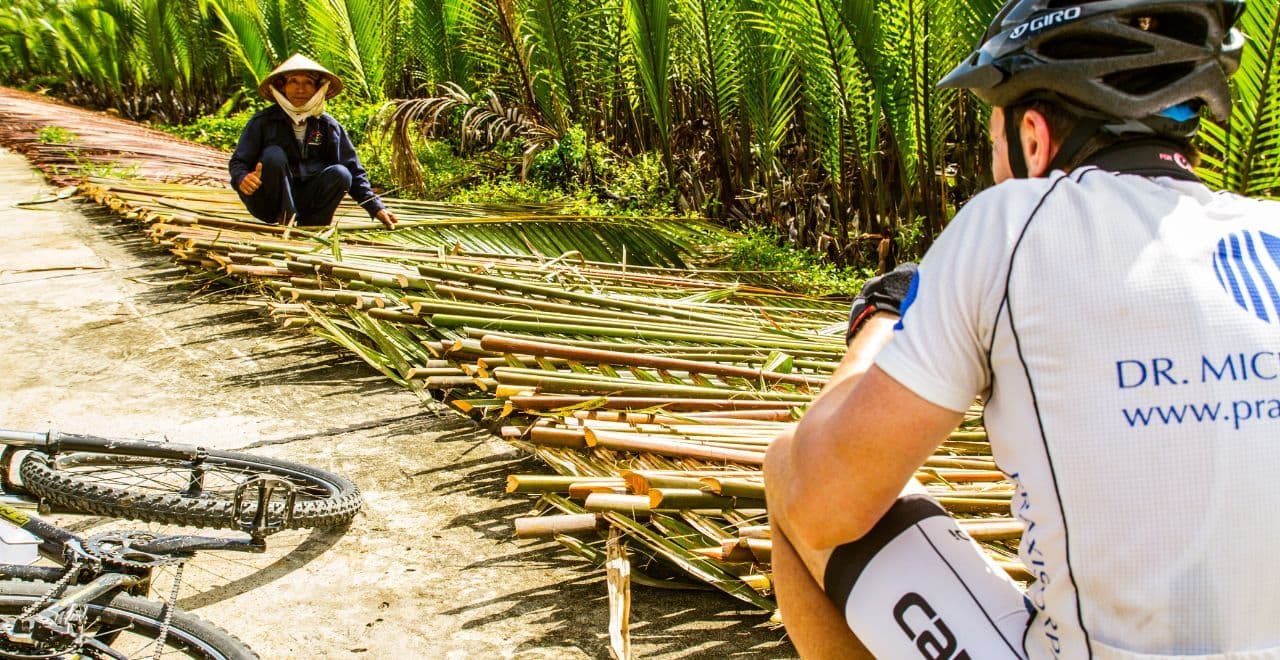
x=813 y=119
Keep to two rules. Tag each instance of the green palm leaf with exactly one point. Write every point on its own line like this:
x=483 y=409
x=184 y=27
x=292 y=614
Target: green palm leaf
x=246 y=37
x=436 y=43
x=648 y=28
x=350 y=36
x=1243 y=153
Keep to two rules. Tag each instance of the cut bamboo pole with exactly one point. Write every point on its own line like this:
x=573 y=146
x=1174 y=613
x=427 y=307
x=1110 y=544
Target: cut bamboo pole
x=734 y=487
x=998 y=529
x=505 y=344
x=635 y=506
x=687 y=498
x=545 y=483
x=545 y=526
x=670 y=448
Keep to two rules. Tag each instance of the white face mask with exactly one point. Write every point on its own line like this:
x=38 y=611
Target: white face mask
x=313 y=107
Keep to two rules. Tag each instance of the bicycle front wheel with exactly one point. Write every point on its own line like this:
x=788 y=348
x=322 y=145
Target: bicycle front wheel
x=129 y=625
x=161 y=490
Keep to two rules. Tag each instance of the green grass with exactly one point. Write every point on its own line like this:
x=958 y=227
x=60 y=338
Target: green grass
x=56 y=135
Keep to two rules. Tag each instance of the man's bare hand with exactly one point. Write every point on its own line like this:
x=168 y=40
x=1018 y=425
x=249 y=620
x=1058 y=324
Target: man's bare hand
x=387 y=217
x=252 y=181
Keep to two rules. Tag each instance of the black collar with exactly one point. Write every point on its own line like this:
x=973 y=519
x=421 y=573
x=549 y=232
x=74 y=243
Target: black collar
x=1145 y=157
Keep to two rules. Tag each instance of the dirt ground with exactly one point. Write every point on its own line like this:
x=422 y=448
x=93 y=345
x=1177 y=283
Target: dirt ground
x=101 y=334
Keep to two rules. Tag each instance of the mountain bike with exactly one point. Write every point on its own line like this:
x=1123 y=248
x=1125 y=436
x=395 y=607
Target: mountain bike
x=173 y=483
x=91 y=604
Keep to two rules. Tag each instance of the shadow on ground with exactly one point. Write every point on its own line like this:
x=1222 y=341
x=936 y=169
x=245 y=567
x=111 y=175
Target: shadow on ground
x=432 y=555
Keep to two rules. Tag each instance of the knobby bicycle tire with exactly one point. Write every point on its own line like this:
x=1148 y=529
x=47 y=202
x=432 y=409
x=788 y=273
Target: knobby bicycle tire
x=151 y=489
x=130 y=625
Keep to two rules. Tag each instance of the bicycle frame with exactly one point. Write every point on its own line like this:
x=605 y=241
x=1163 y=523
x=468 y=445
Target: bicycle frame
x=93 y=578
x=63 y=546
x=53 y=442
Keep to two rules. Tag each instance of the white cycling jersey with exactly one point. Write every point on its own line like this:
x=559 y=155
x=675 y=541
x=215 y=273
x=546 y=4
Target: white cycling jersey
x=1125 y=334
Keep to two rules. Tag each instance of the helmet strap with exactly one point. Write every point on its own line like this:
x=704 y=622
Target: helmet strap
x=1082 y=132
x=1013 y=144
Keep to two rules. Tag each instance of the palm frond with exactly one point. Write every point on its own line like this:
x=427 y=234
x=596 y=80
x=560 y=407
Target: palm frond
x=350 y=36
x=1243 y=153
x=647 y=23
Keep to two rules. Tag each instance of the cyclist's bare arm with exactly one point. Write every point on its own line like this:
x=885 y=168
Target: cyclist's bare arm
x=848 y=460
x=851 y=525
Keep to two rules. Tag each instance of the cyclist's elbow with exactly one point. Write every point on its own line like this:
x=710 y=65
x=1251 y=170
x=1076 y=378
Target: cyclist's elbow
x=809 y=497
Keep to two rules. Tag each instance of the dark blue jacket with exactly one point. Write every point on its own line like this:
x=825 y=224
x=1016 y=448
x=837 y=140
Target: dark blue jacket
x=326 y=144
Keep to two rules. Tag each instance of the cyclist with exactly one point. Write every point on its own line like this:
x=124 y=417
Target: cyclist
x=1118 y=319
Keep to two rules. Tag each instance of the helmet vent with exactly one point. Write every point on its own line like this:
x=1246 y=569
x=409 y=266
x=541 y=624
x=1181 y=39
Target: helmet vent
x=1140 y=82
x=1087 y=47
x=1187 y=27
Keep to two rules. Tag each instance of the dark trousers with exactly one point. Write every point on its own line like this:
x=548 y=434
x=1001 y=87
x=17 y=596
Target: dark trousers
x=313 y=201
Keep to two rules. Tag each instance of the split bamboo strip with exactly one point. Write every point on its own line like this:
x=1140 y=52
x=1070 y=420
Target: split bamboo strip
x=538 y=402
x=712 y=352
x=553 y=293
x=568 y=383
x=720 y=417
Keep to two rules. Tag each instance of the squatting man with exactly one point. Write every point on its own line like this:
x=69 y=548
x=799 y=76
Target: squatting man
x=294 y=162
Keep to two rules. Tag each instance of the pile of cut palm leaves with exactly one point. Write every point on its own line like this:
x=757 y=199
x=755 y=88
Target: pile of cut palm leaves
x=650 y=388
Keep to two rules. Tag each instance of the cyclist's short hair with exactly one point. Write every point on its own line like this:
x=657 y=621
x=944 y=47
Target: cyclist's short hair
x=1062 y=121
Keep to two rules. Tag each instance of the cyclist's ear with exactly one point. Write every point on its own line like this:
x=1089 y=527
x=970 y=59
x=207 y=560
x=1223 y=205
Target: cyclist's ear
x=1038 y=143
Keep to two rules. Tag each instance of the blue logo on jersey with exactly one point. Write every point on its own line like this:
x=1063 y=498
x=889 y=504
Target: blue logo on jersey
x=1248 y=265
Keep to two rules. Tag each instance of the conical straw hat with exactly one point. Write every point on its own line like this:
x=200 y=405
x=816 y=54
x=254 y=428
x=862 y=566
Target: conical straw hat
x=300 y=62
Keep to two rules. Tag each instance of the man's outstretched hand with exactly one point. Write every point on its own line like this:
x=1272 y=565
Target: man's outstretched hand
x=251 y=181
x=387 y=217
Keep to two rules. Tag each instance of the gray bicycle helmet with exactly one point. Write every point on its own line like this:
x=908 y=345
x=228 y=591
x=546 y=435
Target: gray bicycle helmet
x=1113 y=59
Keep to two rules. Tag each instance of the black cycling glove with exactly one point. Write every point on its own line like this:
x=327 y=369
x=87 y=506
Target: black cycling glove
x=883 y=293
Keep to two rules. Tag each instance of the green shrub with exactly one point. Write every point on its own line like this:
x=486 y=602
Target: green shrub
x=791 y=268
x=562 y=164
x=507 y=189
x=216 y=131
x=356 y=117
x=639 y=181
